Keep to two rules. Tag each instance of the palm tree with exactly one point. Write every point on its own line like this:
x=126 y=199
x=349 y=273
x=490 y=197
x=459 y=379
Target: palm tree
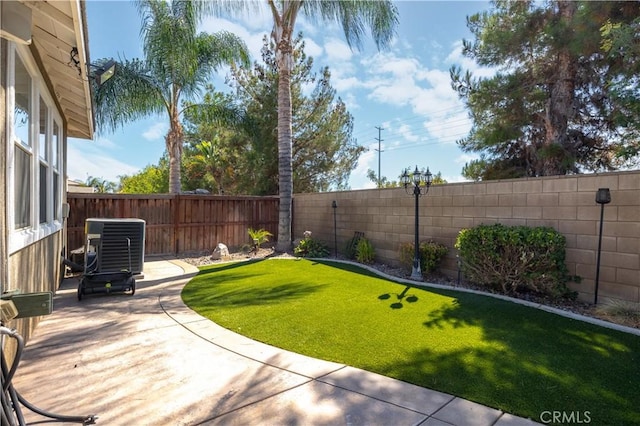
x=355 y=16
x=211 y=157
x=178 y=63
x=100 y=185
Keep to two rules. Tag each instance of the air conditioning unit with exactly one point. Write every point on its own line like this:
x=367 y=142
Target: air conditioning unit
x=114 y=245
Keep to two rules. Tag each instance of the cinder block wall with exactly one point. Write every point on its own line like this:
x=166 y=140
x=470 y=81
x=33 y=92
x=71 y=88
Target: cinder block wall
x=565 y=203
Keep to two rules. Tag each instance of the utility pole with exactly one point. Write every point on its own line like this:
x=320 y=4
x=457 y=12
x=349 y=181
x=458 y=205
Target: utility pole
x=380 y=129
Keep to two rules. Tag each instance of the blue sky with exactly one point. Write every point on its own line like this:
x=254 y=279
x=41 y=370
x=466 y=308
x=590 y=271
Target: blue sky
x=405 y=89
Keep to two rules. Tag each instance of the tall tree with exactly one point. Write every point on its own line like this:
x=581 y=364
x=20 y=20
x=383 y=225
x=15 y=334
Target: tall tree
x=323 y=153
x=153 y=179
x=380 y=16
x=355 y=17
x=178 y=62
x=550 y=108
x=215 y=150
x=621 y=42
x=101 y=185
x=323 y=150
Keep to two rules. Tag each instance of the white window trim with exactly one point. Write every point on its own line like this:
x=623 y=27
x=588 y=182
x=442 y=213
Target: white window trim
x=21 y=238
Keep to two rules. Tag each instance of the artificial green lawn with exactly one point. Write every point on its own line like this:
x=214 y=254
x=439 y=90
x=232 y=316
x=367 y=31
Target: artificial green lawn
x=517 y=359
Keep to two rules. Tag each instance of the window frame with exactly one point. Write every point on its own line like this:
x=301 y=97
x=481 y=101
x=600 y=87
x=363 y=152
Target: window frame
x=41 y=152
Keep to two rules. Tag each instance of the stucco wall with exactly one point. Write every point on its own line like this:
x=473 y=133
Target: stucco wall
x=34 y=269
x=565 y=203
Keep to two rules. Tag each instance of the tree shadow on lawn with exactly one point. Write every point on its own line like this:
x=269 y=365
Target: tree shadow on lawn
x=352 y=268
x=242 y=297
x=526 y=361
x=400 y=297
x=208 y=290
x=220 y=267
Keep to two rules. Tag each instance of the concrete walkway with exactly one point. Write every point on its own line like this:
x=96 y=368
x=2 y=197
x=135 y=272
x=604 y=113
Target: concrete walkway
x=148 y=359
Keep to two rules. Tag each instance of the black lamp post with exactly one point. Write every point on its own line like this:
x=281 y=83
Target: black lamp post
x=334 y=205
x=421 y=182
x=603 y=196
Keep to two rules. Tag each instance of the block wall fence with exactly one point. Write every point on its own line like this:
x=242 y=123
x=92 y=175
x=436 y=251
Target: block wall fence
x=565 y=203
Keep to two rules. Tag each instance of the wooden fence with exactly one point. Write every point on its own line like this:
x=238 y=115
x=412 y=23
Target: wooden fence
x=177 y=223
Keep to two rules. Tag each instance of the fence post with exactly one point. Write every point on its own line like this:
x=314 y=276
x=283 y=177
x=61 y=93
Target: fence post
x=176 y=223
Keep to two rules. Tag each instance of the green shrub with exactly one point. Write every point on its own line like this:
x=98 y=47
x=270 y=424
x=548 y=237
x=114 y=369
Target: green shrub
x=365 y=253
x=431 y=254
x=352 y=246
x=259 y=237
x=514 y=259
x=309 y=247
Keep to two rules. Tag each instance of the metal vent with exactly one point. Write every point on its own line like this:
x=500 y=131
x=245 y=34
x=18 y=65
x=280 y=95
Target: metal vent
x=119 y=238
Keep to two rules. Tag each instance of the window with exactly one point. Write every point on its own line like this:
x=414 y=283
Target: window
x=23 y=151
x=22 y=188
x=43 y=153
x=55 y=146
x=35 y=160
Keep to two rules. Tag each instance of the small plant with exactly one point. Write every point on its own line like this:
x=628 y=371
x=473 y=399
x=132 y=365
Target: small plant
x=352 y=245
x=259 y=237
x=621 y=311
x=431 y=254
x=309 y=247
x=365 y=253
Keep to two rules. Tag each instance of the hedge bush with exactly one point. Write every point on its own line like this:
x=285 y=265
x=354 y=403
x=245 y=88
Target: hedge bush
x=515 y=259
x=431 y=254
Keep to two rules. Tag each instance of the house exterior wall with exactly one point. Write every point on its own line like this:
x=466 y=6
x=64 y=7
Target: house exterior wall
x=565 y=203
x=30 y=256
x=36 y=268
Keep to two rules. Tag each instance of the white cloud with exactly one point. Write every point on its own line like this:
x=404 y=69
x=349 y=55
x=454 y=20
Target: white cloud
x=465 y=158
x=344 y=84
x=105 y=143
x=365 y=162
x=337 y=50
x=156 y=131
x=407 y=134
x=456 y=57
x=311 y=48
x=87 y=158
x=257 y=17
x=448 y=128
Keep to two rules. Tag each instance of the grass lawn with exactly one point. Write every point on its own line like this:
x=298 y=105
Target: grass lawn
x=507 y=356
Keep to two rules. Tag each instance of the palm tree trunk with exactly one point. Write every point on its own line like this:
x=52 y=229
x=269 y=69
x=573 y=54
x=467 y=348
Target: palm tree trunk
x=174 y=139
x=285 y=169
x=284 y=57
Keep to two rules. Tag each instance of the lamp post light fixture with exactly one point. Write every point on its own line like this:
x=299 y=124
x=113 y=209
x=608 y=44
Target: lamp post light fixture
x=334 y=206
x=421 y=181
x=603 y=196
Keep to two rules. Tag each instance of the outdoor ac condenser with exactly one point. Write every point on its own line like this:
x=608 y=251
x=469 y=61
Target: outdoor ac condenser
x=118 y=244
